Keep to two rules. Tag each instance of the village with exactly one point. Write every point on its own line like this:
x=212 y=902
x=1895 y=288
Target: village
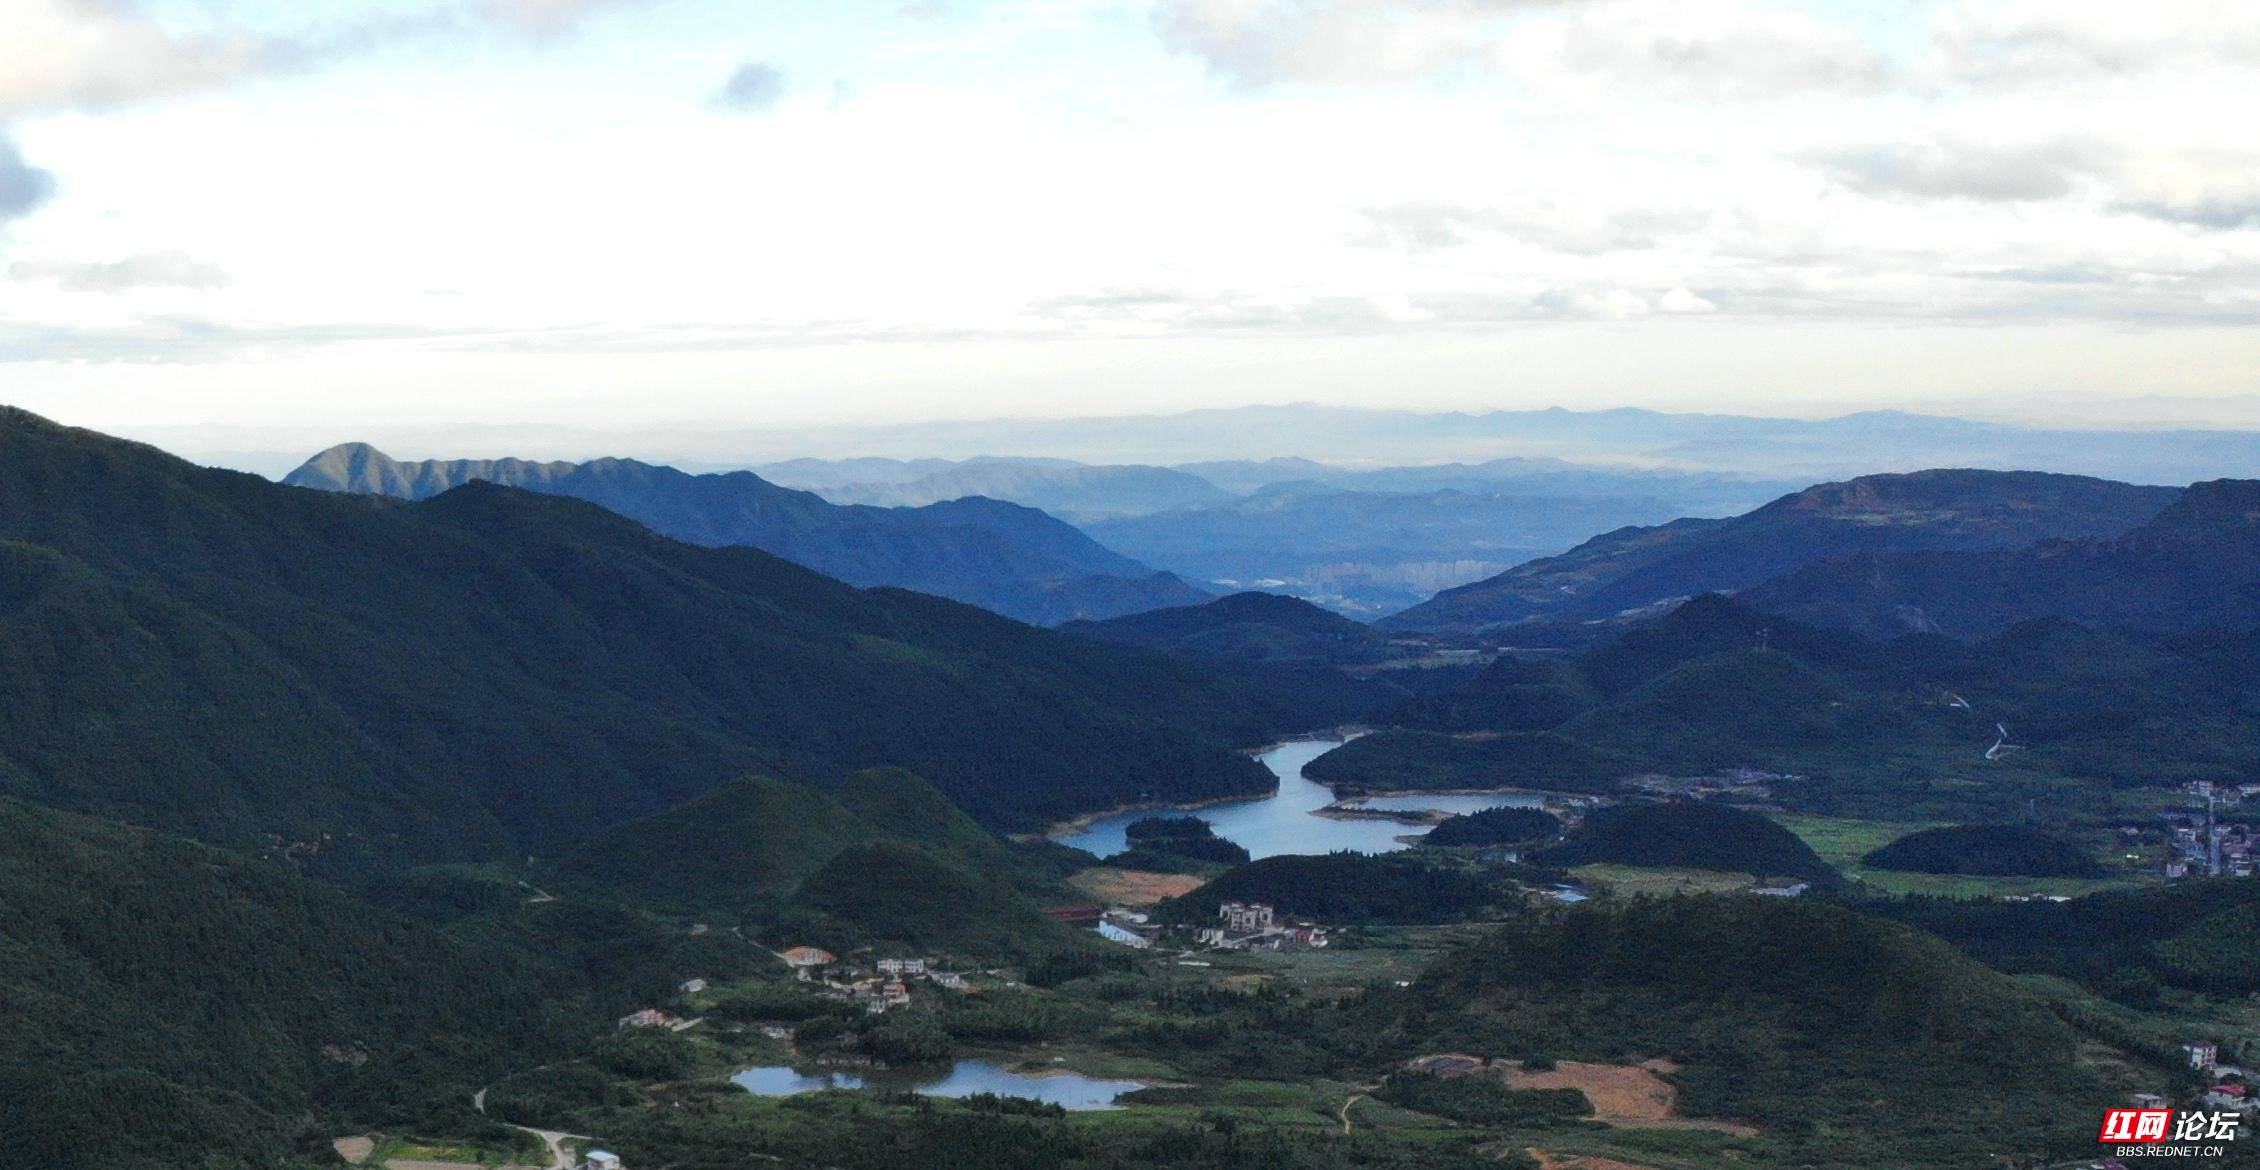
x=2199 y=844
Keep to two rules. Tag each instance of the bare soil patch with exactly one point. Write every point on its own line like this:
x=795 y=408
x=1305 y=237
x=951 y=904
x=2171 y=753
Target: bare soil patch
x=1548 y=1161
x=1133 y=887
x=1634 y=1095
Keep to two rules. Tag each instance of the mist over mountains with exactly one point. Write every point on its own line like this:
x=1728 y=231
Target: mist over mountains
x=1773 y=448
x=995 y=554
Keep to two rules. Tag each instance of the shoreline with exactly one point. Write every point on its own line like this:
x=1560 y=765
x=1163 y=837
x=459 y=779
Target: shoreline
x=1077 y=824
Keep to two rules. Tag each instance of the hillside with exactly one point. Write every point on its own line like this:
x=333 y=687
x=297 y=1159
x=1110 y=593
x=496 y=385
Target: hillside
x=1775 y=1012
x=162 y=998
x=1403 y=761
x=2197 y=564
x=492 y=672
x=1000 y=556
x=1633 y=569
x=761 y=836
x=1689 y=835
x=1991 y=850
x=1256 y=627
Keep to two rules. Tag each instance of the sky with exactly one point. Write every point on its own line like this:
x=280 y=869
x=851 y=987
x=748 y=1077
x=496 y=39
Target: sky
x=228 y=219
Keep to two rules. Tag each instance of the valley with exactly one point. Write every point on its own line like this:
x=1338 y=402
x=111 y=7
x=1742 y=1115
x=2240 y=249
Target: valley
x=741 y=865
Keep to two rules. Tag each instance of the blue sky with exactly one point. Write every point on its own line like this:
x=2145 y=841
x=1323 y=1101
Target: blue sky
x=327 y=220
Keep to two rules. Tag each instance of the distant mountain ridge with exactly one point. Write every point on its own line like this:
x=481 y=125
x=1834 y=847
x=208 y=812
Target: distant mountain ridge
x=493 y=672
x=2195 y=564
x=1634 y=569
x=1005 y=557
x=1255 y=626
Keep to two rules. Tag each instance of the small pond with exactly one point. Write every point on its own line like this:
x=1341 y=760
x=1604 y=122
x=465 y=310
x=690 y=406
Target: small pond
x=966 y=1078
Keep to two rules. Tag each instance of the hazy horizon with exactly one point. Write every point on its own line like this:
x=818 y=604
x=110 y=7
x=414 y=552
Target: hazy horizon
x=680 y=214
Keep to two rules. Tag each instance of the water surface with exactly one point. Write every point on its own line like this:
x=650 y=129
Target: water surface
x=965 y=1078
x=1283 y=823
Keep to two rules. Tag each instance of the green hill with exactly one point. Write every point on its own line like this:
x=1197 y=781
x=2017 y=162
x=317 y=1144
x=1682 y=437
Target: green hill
x=1988 y=850
x=900 y=892
x=491 y=673
x=756 y=839
x=1849 y=1041
x=1494 y=826
x=168 y=1005
x=1689 y=835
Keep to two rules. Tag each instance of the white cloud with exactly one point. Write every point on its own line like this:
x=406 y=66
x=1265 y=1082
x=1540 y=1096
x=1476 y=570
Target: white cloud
x=1956 y=169
x=170 y=269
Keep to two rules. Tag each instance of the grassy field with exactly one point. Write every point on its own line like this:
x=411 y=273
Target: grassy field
x=1843 y=841
x=1660 y=881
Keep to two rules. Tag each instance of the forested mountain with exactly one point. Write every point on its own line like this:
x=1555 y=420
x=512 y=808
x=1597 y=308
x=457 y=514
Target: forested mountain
x=492 y=672
x=1901 y=729
x=1000 y=556
x=169 y=1005
x=1251 y=626
x=2197 y=564
x=1777 y=1012
x=1634 y=569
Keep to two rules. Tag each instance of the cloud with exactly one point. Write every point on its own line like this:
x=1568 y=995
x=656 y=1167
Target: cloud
x=103 y=54
x=1992 y=42
x=23 y=187
x=2215 y=212
x=1950 y=169
x=140 y=270
x=1715 y=48
x=1550 y=224
x=754 y=87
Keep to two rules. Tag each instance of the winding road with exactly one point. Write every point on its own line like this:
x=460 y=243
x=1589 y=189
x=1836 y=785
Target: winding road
x=559 y=1157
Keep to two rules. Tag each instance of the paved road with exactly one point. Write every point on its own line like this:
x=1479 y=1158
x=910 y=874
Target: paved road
x=559 y=1157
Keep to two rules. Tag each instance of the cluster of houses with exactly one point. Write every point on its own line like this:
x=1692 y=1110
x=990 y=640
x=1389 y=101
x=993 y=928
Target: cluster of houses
x=887 y=987
x=654 y=1018
x=1255 y=926
x=2230 y=1086
x=2199 y=845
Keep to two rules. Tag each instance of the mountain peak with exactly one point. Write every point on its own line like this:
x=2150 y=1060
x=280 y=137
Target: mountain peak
x=2212 y=508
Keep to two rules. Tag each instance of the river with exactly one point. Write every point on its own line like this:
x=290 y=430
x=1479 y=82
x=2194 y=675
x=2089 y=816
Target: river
x=1285 y=822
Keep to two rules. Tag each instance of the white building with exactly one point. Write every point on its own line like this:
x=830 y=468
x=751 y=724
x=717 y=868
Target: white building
x=1245 y=917
x=601 y=1160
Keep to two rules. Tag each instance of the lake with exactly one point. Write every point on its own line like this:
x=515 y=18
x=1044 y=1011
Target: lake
x=1284 y=823
x=966 y=1078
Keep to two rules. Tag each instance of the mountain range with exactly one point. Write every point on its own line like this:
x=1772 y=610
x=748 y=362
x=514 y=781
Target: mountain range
x=492 y=672
x=1001 y=556
x=2194 y=565
x=1743 y=445
x=1362 y=540
x=1632 y=571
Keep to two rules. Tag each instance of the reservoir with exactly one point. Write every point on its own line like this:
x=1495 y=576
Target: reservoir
x=1285 y=822
x=966 y=1078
